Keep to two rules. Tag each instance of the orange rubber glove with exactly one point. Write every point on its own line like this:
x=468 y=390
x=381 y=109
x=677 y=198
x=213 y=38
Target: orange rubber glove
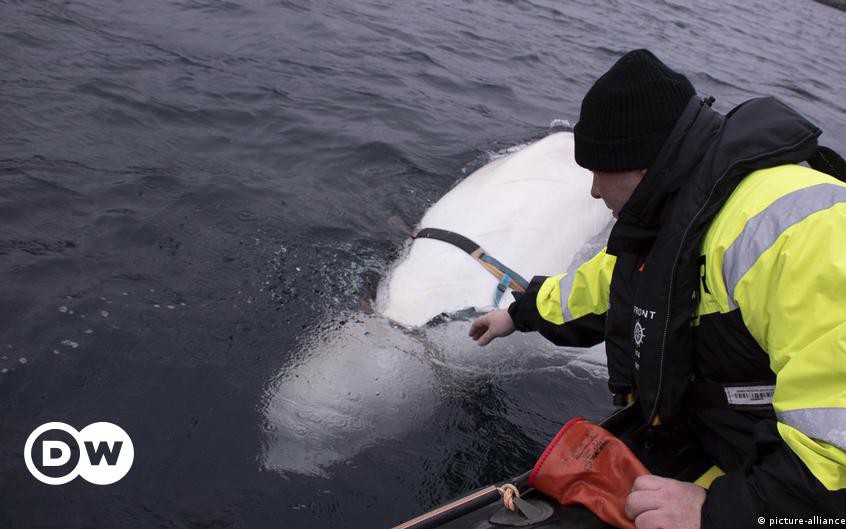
x=586 y=464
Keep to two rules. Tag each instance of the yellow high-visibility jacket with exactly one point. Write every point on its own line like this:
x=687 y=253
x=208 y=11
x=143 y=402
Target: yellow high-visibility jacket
x=769 y=332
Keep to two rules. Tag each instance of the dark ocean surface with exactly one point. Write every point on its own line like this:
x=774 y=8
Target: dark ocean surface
x=199 y=198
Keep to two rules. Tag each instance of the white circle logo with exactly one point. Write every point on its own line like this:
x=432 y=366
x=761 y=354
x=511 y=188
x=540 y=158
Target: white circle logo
x=639 y=333
x=102 y=453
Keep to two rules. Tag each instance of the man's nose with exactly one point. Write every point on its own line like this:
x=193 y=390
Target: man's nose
x=594 y=188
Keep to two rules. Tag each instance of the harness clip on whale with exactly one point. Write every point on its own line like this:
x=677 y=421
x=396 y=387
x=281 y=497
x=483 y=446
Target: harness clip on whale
x=507 y=277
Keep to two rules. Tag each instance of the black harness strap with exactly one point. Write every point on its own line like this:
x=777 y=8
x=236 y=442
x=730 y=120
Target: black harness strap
x=451 y=237
x=514 y=280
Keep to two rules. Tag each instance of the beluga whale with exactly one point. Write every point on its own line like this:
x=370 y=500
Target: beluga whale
x=530 y=210
x=378 y=377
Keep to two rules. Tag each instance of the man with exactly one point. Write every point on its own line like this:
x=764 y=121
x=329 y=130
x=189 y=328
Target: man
x=721 y=295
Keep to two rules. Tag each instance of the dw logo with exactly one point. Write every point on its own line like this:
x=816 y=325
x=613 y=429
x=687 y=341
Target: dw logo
x=56 y=453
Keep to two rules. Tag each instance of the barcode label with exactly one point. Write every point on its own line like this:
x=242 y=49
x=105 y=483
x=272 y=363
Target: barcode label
x=750 y=395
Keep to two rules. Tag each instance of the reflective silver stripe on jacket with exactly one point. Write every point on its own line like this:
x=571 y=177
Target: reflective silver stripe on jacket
x=824 y=424
x=763 y=229
x=565 y=285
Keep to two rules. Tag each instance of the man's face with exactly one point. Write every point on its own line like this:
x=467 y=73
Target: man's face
x=615 y=188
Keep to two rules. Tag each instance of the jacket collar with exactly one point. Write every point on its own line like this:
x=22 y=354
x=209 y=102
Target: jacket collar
x=642 y=216
x=704 y=144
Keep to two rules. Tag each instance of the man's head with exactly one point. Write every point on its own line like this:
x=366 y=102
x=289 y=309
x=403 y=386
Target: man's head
x=625 y=119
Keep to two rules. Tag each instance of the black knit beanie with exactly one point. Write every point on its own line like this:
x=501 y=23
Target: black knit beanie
x=628 y=113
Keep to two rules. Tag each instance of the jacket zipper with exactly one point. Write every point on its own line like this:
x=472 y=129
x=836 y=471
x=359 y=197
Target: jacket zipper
x=676 y=260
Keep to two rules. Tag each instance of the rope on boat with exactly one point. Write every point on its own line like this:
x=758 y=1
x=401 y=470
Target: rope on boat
x=508 y=492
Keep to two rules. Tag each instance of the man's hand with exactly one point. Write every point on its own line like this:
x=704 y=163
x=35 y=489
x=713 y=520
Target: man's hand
x=662 y=503
x=492 y=325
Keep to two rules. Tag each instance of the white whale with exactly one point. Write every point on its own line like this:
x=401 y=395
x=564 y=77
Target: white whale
x=366 y=379
x=531 y=210
x=359 y=382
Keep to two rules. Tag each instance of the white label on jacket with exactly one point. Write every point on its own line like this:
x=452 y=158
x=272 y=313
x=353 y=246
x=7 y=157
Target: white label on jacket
x=749 y=395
